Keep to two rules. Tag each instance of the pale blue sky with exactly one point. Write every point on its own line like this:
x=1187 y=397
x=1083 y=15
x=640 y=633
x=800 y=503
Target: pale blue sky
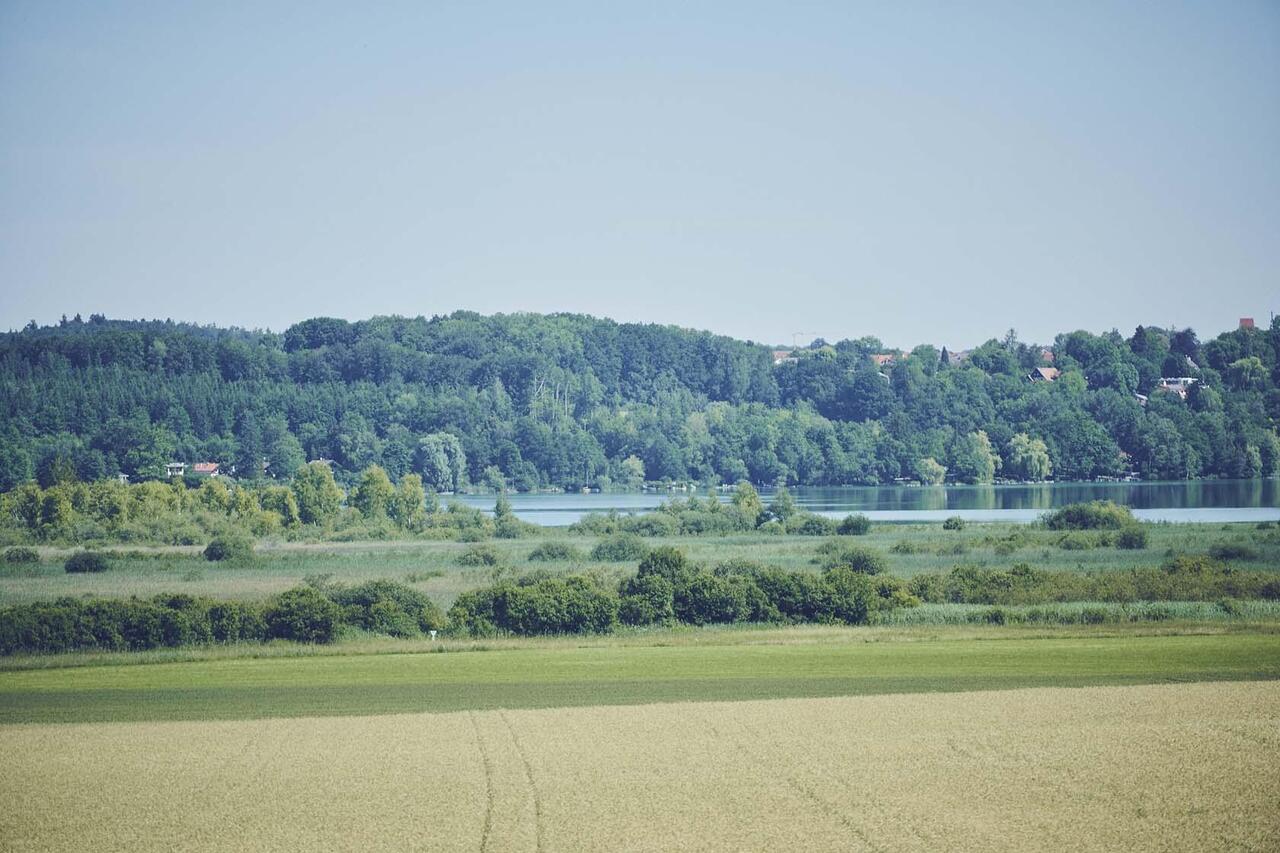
x=915 y=171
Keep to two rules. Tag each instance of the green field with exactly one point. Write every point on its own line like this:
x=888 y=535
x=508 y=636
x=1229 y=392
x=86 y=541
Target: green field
x=768 y=665
x=432 y=567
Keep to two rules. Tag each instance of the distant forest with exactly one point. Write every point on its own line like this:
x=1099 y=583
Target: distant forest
x=567 y=401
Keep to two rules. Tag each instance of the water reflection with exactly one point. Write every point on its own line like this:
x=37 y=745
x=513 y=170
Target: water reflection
x=1216 y=500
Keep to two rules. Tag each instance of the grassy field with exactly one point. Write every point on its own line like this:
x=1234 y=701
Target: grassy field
x=433 y=568
x=1193 y=766
x=780 y=663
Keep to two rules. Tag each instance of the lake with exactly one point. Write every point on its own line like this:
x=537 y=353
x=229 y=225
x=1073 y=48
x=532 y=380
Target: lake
x=1180 y=501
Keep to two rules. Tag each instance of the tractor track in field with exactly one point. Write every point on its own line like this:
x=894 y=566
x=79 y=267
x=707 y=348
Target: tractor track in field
x=487 y=828
x=528 y=773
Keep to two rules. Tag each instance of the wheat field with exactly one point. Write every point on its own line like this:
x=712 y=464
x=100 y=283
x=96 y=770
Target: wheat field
x=1192 y=766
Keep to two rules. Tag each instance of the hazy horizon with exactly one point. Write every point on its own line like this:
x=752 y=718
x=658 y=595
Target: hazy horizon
x=914 y=172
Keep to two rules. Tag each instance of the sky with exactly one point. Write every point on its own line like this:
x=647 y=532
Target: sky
x=915 y=171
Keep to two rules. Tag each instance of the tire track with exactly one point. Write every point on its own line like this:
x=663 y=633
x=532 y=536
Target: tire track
x=528 y=772
x=797 y=785
x=487 y=829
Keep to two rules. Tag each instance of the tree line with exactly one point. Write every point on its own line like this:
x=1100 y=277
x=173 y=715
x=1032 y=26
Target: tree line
x=529 y=401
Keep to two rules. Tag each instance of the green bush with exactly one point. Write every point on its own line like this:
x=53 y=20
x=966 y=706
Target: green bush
x=481 y=554
x=1095 y=515
x=229 y=546
x=847 y=596
x=863 y=561
x=653 y=524
x=1232 y=551
x=305 y=615
x=1132 y=538
x=808 y=524
x=1075 y=542
x=510 y=527
x=665 y=561
x=71 y=624
x=555 y=552
x=706 y=599
x=854 y=525
x=955 y=522
x=568 y=605
x=19 y=555
x=83 y=562
x=619 y=548
x=387 y=607
x=647 y=600
x=904 y=546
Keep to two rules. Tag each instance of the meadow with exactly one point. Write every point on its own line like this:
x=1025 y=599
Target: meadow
x=1186 y=766
x=433 y=566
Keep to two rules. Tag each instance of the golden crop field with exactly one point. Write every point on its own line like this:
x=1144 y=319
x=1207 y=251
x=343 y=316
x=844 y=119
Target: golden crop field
x=1193 y=766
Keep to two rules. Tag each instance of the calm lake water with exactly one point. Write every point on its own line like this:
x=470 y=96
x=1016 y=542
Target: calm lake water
x=1207 y=500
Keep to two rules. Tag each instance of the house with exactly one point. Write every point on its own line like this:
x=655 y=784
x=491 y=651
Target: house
x=205 y=469
x=782 y=356
x=1246 y=322
x=882 y=359
x=1046 y=355
x=175 y=469
x=1044 y=374
x=1177 y=385
x=1141 y=398
x=122 y=479
x=958 y=357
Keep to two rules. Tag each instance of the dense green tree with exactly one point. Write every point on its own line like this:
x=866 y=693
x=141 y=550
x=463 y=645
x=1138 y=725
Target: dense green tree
x=567 y=401
x=373 y=494
x=408 y=506
x=973 y=459
x=316 y=493
x=1028 y=458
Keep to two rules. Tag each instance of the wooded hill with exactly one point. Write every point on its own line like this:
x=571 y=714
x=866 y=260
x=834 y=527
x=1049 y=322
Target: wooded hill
x=568 y=400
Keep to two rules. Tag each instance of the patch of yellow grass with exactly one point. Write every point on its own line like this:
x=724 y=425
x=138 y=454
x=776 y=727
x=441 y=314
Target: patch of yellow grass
x=1192 y=766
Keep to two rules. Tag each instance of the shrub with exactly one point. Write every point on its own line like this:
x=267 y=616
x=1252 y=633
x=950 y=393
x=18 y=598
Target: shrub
x=772 y=528
x=904 y=546
x=664 y=561
x=1075 y=542
x=652 y=524
x=305 y=615
x=85 y=562
x=620 y=548
x=955 y=522
x=808 y=524
x=555 y=552
x=510 y=527
x=481 y=554
x=646 y=600
x=705 y=599
x=1133 y=538
x=1232 y=551
x=567 y=605
x=21 y=555
x=863 y=561
x=387 y=607
x=1095 y=515
x=229 y=547
x=847 y=596
x=570 y=605
x=854 y=525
